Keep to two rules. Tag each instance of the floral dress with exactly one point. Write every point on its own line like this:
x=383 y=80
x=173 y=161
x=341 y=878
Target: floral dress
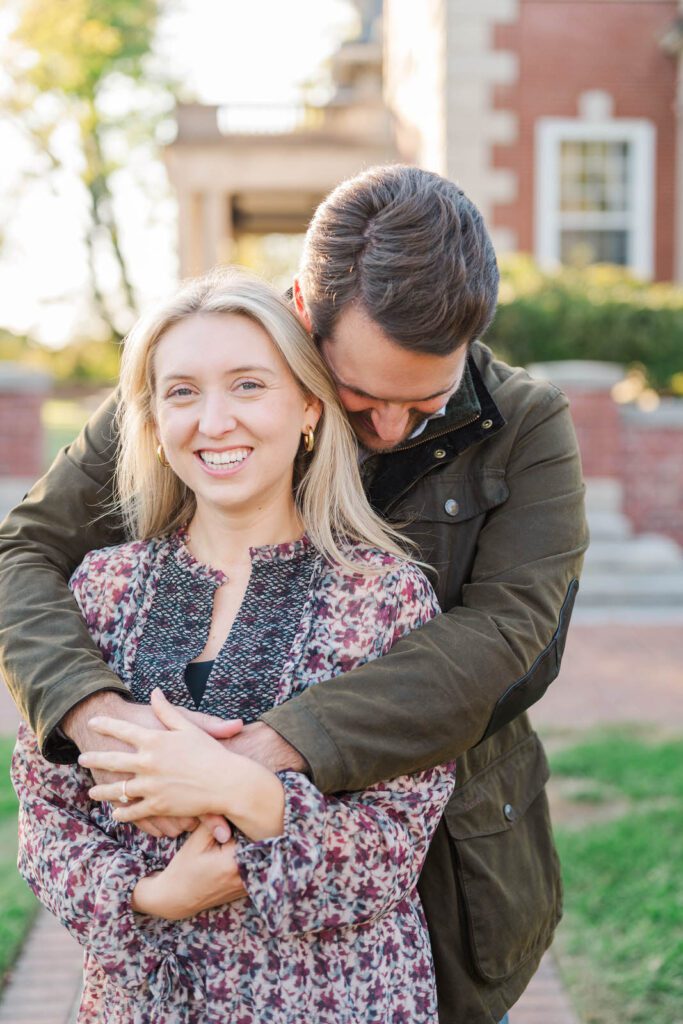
x=331 y=930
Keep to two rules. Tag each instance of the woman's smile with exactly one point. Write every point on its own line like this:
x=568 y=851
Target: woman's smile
x=223 y=462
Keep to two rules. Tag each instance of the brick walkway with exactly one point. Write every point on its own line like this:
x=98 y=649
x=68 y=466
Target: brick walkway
x=611 y=673
x=45 y=984
x=545 y=1001
x=46 y=980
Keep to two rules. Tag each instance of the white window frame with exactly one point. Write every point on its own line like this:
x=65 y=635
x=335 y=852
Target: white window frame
x=639 y=225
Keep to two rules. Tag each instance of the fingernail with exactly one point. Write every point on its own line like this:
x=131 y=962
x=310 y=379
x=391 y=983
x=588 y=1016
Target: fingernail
x=221 y=834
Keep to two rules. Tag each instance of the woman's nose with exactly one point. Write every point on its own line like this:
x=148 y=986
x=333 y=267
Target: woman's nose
x=216 y=416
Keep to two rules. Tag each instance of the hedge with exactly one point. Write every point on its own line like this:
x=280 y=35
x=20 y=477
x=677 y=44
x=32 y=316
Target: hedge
x=596 y=313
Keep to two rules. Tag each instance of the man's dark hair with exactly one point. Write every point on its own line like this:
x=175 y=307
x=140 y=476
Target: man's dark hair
x=410 y=249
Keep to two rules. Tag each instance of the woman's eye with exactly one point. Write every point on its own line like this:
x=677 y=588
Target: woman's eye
x=180 y=392
x=247 y=386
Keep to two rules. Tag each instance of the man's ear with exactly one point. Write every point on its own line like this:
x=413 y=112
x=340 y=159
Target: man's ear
x=300 y=305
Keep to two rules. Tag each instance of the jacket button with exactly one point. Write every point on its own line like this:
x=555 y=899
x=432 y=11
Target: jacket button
x=487 y=424
x=451 y=507
x=440 y=453
x=509 y=812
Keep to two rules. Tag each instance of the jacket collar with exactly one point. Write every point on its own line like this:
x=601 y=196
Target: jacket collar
x=471 y=416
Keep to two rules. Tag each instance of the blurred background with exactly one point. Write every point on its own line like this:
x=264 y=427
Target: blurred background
x=147 y=140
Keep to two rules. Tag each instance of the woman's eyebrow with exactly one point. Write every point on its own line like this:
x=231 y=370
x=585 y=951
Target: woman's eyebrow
x=178 y=375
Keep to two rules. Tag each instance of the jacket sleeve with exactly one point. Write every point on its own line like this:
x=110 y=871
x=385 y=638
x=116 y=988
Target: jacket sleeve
x=47 y=656
x=84 y=876
x=347 y=859
x=440 y=690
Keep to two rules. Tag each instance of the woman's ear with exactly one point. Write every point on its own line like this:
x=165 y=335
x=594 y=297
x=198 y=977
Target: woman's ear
x=313 y=410
x=300 y=305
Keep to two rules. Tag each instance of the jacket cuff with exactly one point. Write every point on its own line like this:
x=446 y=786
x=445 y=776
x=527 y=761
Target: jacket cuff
x=55 y=745
x=297 y=724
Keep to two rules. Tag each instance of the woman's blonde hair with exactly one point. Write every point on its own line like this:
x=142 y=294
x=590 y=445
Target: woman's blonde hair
x=328 y=489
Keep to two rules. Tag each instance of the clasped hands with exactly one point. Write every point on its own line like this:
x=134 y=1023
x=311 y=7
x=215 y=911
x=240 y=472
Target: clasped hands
x=182 y=771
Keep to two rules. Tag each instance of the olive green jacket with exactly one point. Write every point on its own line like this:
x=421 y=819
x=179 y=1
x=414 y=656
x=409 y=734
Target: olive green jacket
x=493 y=495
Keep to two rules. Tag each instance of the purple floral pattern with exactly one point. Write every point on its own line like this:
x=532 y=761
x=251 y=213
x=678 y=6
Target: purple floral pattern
x=332 y=929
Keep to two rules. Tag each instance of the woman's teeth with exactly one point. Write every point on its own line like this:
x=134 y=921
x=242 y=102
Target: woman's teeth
x=224 y=458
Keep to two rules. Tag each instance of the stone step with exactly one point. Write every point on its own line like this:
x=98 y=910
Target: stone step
x=609 y=526
x=631 y=589
x=648 y=552
x=604 y=495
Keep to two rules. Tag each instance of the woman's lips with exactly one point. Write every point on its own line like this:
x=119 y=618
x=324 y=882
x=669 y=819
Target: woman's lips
x=223 y=463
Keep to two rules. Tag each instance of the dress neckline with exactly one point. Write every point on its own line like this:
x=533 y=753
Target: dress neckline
x=284 y=552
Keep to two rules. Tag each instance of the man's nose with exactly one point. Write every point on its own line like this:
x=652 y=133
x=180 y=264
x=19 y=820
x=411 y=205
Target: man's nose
x=216 y=416
x=390 y=422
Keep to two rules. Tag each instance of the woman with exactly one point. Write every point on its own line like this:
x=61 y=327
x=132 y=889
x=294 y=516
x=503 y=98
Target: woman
x=257 y=569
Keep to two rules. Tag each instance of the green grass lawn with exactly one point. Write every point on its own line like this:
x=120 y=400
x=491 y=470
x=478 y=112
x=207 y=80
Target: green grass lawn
x=621 y=943
x=16 y=900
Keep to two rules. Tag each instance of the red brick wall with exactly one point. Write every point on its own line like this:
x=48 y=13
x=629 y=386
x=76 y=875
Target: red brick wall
x=21 y=434
x=566 y=47
x=653 y=479
x=646 y=458
x=599 y=432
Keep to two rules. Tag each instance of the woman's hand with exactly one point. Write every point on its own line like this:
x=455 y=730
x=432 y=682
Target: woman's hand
x=203 y=874
x=183 y=771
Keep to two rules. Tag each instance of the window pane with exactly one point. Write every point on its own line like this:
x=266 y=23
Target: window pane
x=594 y=176
x=579 y=248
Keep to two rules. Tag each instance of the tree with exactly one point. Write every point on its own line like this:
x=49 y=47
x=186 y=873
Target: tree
x=71 y=59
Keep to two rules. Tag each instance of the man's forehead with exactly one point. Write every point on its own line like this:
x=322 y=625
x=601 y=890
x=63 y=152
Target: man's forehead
x=373 y=369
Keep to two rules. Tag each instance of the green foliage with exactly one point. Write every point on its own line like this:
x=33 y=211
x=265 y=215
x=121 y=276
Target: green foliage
x=623 y=932
x=69 y=58
x=83 y=362
x=76 y=44
x=8 y=800
x=599 y=312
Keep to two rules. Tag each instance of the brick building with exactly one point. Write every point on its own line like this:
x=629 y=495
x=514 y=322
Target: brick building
x=561 y=118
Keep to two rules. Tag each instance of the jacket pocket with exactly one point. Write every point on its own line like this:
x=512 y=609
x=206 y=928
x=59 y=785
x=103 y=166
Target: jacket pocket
x=446 y=497
x=506 y=862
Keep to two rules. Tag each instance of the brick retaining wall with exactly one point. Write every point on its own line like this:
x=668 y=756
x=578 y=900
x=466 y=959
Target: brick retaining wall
x=22 y=393
x=642 y=451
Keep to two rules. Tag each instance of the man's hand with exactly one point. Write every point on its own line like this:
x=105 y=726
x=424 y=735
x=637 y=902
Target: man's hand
x=261 y=743
x=75 y=725
x=203 y=874
x=183 y=770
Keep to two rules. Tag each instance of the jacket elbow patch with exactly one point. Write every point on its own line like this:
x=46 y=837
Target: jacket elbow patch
x=524 y=692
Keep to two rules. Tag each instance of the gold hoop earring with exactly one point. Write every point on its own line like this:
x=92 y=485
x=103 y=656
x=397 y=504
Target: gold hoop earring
x=162 y=458
x=309 y=439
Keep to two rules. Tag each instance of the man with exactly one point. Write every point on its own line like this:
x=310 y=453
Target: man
x=480 y=465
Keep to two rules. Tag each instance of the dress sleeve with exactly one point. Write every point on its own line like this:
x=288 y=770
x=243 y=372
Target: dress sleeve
x=343 y=860
x=348 y=859
x=84 y=876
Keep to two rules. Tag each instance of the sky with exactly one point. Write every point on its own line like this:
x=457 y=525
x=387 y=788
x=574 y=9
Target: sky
x=225 y=52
